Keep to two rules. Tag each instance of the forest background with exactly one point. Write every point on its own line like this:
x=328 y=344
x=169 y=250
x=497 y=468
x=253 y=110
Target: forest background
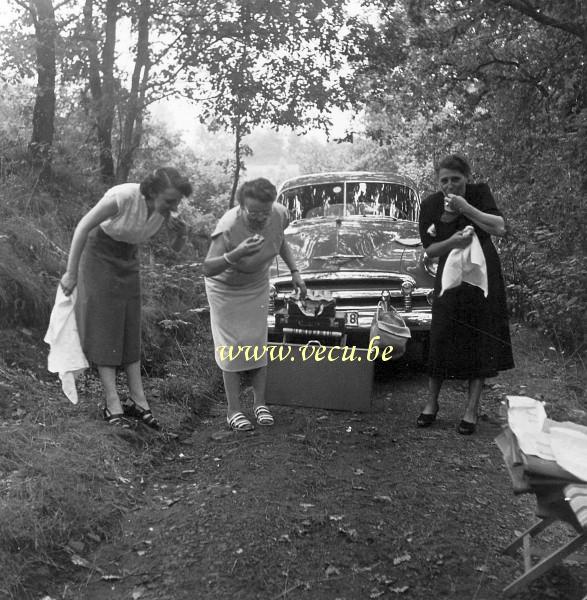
x=91 y=96
x=505 y=83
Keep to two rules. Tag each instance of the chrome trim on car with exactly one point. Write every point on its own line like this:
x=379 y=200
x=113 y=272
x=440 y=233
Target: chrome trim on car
x=417 y=319
x=310 y=276
x=361 y=294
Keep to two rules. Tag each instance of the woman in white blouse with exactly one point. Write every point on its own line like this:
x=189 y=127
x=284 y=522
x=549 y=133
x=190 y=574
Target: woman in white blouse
x=103 y=264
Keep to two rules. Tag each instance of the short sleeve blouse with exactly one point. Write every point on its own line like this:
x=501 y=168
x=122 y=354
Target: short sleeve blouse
x=233 y=229
x=132 y=224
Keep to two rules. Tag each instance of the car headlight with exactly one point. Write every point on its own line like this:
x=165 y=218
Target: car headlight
x=430 y=264
x=407 y=290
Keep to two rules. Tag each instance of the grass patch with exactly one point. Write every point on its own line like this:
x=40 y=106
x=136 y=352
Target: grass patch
x=66 y=477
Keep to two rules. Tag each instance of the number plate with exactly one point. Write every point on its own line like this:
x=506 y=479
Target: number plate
x=351 y=319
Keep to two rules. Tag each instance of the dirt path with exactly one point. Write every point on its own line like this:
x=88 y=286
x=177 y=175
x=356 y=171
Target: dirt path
x=332 y=505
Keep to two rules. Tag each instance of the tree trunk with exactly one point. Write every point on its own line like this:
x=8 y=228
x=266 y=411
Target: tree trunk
x=237 y=166
x=106 y=112
x=41 y=143
x=582 y=131
x=132 y=129
x=102 y=86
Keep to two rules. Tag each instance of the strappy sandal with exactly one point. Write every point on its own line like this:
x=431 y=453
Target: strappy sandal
x=238 y=422
x=132 y=409
x=263 y=416
x=115 y=418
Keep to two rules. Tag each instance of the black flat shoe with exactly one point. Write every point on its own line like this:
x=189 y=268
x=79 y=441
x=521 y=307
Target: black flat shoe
x=466 y=428
x=425 y=420
x=132 y=409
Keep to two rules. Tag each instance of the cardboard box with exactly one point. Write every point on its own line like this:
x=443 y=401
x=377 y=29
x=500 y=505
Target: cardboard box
x=300 y=379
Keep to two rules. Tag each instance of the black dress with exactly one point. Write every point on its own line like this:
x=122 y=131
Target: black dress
x=469 y=336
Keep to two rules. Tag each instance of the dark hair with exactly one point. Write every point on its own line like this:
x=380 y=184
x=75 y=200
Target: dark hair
x=163 y=178
x=455 y=162
x=261 y=189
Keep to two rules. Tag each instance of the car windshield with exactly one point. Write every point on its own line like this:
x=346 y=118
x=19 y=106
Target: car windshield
x=351 y=198
x=339 y=242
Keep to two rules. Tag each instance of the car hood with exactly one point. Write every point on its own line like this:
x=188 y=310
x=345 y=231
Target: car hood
x=358 y=245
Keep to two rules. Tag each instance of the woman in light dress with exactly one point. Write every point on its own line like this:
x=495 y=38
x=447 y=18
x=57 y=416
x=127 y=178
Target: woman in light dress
x=104 y=265
x=246 y=240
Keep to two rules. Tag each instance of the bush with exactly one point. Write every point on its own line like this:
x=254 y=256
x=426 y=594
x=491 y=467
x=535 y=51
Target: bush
x=545 y=266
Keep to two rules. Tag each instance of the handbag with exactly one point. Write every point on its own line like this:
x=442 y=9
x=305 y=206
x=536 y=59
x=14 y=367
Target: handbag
x=391 y=329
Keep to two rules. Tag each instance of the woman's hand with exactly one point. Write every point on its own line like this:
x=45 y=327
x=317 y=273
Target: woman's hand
x=176 y=226
x=461 y=238
x=68 y=283
x=177 y=231
x=250 y=246
x=299 y=284
x=456 y=203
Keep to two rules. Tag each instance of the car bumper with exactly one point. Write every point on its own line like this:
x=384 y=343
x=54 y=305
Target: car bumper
x=417 y=320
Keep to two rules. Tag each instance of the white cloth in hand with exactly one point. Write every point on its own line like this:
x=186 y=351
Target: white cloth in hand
x=66 y=356
x=466 y=265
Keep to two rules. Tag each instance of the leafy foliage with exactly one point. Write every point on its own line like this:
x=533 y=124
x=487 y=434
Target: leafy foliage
x=501 y=84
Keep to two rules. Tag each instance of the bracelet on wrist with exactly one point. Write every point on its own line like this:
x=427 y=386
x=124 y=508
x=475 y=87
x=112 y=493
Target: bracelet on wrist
x=292 y=271
x=225 y=257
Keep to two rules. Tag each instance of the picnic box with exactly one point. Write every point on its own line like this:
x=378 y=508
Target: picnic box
x=301 y=380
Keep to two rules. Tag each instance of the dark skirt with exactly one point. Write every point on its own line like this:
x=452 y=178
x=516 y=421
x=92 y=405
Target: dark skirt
x=108 y=308
x=470 y=335
x=469 y=338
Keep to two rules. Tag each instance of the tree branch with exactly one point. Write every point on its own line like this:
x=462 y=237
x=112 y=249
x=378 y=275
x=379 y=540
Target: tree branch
x=526 y=8
x=23 y=4
x=62 y=3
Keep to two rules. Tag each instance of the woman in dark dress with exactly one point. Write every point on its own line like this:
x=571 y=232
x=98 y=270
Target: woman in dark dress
x=469 y=337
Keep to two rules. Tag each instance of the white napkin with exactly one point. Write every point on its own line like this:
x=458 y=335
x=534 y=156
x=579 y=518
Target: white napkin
x=466 y=265
x=66 y=356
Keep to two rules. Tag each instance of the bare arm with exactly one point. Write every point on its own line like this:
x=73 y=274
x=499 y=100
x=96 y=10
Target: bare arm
x=100 y=213
x=288 y=257
x=218 y=260
x=492 y=224
x=458 y=240
x=286 y=254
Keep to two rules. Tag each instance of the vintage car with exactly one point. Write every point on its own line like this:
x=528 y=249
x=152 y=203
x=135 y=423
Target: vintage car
x=355 y=239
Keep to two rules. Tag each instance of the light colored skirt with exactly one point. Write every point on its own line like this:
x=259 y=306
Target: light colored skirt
x=238 y=315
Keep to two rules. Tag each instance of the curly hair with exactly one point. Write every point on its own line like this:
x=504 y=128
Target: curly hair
x=455 y=162
x=261 y=189
x=163 y=178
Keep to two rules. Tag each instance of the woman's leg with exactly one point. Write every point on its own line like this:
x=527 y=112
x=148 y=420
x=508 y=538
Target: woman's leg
x=108 y=378
x=434 y=385
x=232 y=387
x=259 y=383
x=135 y=384
x=475 y=389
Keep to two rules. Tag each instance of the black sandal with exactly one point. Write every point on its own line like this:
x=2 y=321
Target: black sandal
x=426 y=419
x=115 y=418
x=132 y=409
x=466 y=427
